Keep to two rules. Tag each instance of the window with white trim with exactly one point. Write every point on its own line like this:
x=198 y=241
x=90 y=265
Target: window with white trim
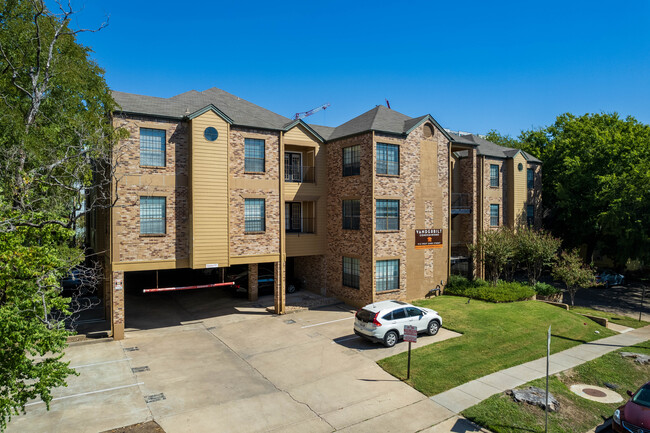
x=152 y=215
x=386 y=275
x=254 y=215
x=152 y=147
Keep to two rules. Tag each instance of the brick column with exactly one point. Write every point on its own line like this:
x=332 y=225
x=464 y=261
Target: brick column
x=117 y=305
x=252 y=281
x=279 y=287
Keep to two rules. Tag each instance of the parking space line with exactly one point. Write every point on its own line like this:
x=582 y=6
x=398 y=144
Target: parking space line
x=325 y=323
x=88 y=393
x=100 y=363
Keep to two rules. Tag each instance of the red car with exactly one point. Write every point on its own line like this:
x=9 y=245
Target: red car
x=634 y=416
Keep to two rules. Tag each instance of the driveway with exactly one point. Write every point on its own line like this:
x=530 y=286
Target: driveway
x=624 y=300
x=239 y=369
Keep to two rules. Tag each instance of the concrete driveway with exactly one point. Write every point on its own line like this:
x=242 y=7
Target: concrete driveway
x=242 y=369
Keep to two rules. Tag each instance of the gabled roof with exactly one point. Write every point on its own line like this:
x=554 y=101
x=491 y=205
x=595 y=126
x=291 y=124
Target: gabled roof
x=240 y=111
x=308 y=127
x=382 y=119
x=490 y=149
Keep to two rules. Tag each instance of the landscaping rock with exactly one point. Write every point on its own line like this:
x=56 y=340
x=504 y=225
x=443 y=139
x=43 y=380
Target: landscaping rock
x=536 y=396
x=638 y=357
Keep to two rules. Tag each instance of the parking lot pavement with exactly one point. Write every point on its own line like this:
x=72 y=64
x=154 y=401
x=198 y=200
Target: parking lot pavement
x=105 y=391
x=246 y=370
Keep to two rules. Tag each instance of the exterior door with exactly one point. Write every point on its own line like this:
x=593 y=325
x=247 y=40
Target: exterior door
x=292 y=167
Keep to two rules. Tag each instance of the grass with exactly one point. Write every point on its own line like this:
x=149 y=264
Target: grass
x=501 y=414
x=495 y=336
x=613 y=318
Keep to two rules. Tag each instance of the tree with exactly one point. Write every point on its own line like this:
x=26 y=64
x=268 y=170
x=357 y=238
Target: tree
x=536 y=250
x=494 y=249
x=571 y=270
x=55 y=128
x=595 y=183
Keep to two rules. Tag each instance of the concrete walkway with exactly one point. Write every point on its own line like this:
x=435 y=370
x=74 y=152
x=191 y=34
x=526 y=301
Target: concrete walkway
x=471 y=393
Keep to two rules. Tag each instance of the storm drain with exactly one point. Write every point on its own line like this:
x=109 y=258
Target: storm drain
x=154 y=398
x=140 y=369
x=596 y=393
x=131 y=349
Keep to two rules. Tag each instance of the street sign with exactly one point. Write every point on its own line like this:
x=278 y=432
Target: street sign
x=411 y=333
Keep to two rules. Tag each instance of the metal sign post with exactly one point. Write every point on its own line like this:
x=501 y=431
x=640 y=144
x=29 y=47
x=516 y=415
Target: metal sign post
x=548 y=356
x=410 y=335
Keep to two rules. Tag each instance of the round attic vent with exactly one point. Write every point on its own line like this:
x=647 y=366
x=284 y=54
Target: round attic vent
x=428 y=131
x=210 y=133
x=520 y=166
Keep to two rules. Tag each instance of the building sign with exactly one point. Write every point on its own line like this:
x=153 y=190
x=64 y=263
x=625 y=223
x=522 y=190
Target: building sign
x=117 y=284
x=429 y=238
x=212 y=265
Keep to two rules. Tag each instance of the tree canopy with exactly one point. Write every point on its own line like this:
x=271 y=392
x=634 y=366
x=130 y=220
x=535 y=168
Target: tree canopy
x=596 y=183
x=55 y=136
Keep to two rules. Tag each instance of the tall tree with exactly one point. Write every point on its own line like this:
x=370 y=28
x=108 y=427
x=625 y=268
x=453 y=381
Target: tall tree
x=55 y=128
x=595 y=183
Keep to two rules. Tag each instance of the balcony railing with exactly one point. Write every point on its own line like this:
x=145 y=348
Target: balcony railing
x=302 y=225
x=460 y=203
x=299 y=173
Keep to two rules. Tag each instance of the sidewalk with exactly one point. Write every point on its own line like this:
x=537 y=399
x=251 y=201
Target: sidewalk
x=467 y=395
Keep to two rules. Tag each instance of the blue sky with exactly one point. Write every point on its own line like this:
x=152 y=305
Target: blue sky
x=474 y=66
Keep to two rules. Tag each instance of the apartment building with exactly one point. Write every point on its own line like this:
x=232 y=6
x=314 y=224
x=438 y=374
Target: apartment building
x=208 y=181
x=492 y=186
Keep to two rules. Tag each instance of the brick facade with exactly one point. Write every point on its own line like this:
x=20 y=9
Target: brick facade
x=136 y=181
x=350 y=243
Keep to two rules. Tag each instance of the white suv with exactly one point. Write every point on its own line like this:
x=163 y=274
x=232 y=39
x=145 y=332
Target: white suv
x=384 y=321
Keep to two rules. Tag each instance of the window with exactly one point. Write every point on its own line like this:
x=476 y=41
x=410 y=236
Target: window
x=494 y=175
x=351 y=272
x=254 y=215
x=531 y=178
x=351 y=160
x=387 y=276
x=292 y=214
x=530 y=215
x=387 y=215
x=494 y=215
x=351 y=214
x=292 y=167
x=387 y=159
x=253 y=155
x=152 y=215
x=152 y=147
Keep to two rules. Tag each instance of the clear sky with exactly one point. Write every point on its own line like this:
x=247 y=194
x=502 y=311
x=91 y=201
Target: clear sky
x=474 y=66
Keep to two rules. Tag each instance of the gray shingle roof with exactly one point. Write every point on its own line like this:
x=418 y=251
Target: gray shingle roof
x=242 y=112
x=380 y=119
x=488 y=148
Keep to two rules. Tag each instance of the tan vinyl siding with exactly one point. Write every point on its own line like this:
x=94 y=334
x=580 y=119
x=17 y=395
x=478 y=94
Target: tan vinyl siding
x=209 y=192
x=517 y=191
x=299 y=139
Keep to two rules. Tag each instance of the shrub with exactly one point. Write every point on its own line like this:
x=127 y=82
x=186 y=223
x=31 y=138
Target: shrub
x=480 y=289
x=544 y=289
x=457 y=281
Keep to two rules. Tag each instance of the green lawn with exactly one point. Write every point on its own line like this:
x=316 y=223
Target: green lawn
x=501 y=414
x=496 y=336
x=613 y=318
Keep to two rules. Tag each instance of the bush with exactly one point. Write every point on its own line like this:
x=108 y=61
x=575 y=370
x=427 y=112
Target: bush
x=481 y=289
x=458 y=281
x=544 y=289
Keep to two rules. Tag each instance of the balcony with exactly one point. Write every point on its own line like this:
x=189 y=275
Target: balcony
x=300 y=225
x=460 y=204
x=298 y=173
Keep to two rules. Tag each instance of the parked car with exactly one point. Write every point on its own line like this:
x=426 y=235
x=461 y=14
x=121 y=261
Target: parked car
x=634 y=416
x=383 y=322
x=265 y=283
x=79 y=281
x=609 y=278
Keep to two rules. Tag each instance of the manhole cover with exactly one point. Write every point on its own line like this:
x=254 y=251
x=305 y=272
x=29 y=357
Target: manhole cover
x=596 y=393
